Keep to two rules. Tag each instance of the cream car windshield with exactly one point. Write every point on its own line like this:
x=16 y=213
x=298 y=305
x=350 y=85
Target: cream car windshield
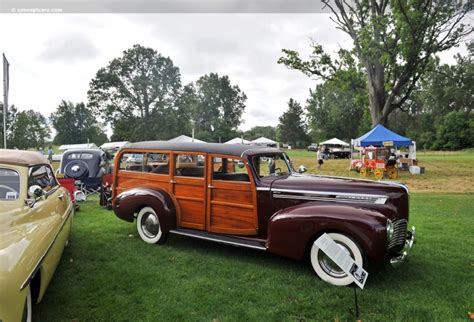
x=9 y=184
x=272 y=164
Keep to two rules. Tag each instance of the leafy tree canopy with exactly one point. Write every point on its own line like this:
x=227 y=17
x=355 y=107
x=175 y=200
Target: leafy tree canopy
x=29 y=130
x=75 y=123
x=394 y=41
x=140 y=85
x=216 y=106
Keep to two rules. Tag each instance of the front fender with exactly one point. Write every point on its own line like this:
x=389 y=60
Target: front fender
x=291 y=230
x=129 y=202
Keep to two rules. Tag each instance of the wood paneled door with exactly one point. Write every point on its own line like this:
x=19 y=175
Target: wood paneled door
x=231 y=197
x=189 y=188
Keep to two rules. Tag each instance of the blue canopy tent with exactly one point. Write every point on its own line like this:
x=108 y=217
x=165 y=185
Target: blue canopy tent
x=381 y=136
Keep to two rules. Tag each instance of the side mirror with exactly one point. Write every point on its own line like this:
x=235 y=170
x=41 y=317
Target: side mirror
x=302 y=169
x=35 y=192
x=240 y=164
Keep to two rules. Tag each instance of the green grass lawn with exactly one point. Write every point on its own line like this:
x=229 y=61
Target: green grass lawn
x=108 y=274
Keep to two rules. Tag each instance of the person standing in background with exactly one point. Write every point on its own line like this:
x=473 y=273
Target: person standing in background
x=50 y=154
x=319 y=157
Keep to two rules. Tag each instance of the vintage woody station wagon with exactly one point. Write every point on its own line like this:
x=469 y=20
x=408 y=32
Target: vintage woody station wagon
x=252 y=197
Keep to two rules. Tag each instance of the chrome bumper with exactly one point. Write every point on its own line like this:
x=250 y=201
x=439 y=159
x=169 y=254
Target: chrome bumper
x=409 y=242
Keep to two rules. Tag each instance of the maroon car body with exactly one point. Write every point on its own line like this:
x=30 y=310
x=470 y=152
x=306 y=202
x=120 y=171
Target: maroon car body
x=282 y=212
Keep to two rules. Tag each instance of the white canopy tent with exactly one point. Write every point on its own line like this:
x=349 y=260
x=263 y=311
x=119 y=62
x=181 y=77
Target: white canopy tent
x=185 y=138
x=237 y=141
x=113 y=145
x=263 y=141
x=65 y=147
x=334 y=141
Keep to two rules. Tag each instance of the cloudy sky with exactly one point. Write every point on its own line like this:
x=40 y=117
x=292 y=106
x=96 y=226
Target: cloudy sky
x=54 y=57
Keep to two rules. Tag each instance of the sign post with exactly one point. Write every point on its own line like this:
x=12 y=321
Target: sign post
x=341 y=257
x=6 y=80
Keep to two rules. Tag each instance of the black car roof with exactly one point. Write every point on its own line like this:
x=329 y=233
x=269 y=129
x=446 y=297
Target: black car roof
x=218 y=148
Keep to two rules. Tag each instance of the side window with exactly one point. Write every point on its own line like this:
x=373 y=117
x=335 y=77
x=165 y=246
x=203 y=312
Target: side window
x=9 y=184
x=229 y=169
x=190 y=165
x=132 y=161
x=42 y=176
x=157 y=163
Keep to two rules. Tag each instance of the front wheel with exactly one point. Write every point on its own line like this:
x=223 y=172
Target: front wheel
x=326 y=269
x=149 y=227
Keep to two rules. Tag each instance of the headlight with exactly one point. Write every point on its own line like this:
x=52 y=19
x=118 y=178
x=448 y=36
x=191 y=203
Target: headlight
x=389 y=230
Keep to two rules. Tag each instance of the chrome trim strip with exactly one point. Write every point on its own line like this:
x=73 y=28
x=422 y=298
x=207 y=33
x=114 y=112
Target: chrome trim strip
x=309 y=198
x=177 y=232
x=335 y=196
x=33 y=272
x=263 y=189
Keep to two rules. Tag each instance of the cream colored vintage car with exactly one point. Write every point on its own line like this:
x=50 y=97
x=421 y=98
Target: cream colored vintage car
x=36 y=216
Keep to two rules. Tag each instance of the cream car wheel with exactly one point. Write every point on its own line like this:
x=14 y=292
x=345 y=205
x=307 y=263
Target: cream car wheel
x=27 y=311
x=326 y=269
x=148 y=226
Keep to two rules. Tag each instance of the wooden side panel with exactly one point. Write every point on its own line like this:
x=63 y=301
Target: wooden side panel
x=190 y=194
x=231 y=205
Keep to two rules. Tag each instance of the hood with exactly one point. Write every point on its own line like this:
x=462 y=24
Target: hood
x=371 y=194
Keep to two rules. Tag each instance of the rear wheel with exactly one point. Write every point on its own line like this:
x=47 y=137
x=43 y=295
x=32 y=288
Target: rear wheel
x=149 y=227
x=326 y=269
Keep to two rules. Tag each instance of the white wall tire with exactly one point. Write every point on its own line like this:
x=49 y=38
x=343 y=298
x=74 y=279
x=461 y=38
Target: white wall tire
x=28 y=309
x=149 y=227
x=327 y=270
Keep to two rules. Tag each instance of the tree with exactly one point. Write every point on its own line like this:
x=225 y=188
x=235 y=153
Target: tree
x=259 y=131
x=29 y=130
x=75 y=123
x=291 y=127
x=337 y=107
x=454 y=132
x=136 y=87
x=218 y=107
x=394 y=40
x=11 y=114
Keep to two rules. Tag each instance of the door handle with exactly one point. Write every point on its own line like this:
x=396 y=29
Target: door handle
x=61 y=196
x=211 y=186
x=172 y=181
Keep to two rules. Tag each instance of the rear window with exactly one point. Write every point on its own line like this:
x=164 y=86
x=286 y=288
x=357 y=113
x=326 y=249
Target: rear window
x=82 y=156
x=9 y=184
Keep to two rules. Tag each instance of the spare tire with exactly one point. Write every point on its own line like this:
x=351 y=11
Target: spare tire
x=76 y=169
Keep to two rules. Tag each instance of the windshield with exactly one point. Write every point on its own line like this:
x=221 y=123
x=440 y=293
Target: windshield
x=9 y=184
x=273 y=164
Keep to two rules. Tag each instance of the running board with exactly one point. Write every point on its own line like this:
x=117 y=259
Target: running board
x=228 y=240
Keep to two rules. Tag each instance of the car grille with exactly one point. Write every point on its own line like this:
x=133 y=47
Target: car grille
x=399 y=234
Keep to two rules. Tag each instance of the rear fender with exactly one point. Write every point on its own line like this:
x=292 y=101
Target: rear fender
x=291 y=230
x=129 y=202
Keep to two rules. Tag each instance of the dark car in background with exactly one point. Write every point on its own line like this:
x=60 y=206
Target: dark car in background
x=86 y=166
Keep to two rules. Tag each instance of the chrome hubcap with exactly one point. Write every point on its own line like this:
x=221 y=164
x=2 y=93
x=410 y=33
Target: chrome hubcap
x=150 y=225
x=329 y=266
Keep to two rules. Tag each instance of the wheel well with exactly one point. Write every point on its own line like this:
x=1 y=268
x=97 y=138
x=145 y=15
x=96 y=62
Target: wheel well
x=35 y=286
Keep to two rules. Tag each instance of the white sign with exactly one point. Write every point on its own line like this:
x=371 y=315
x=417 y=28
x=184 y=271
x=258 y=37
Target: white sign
x=342 y=259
